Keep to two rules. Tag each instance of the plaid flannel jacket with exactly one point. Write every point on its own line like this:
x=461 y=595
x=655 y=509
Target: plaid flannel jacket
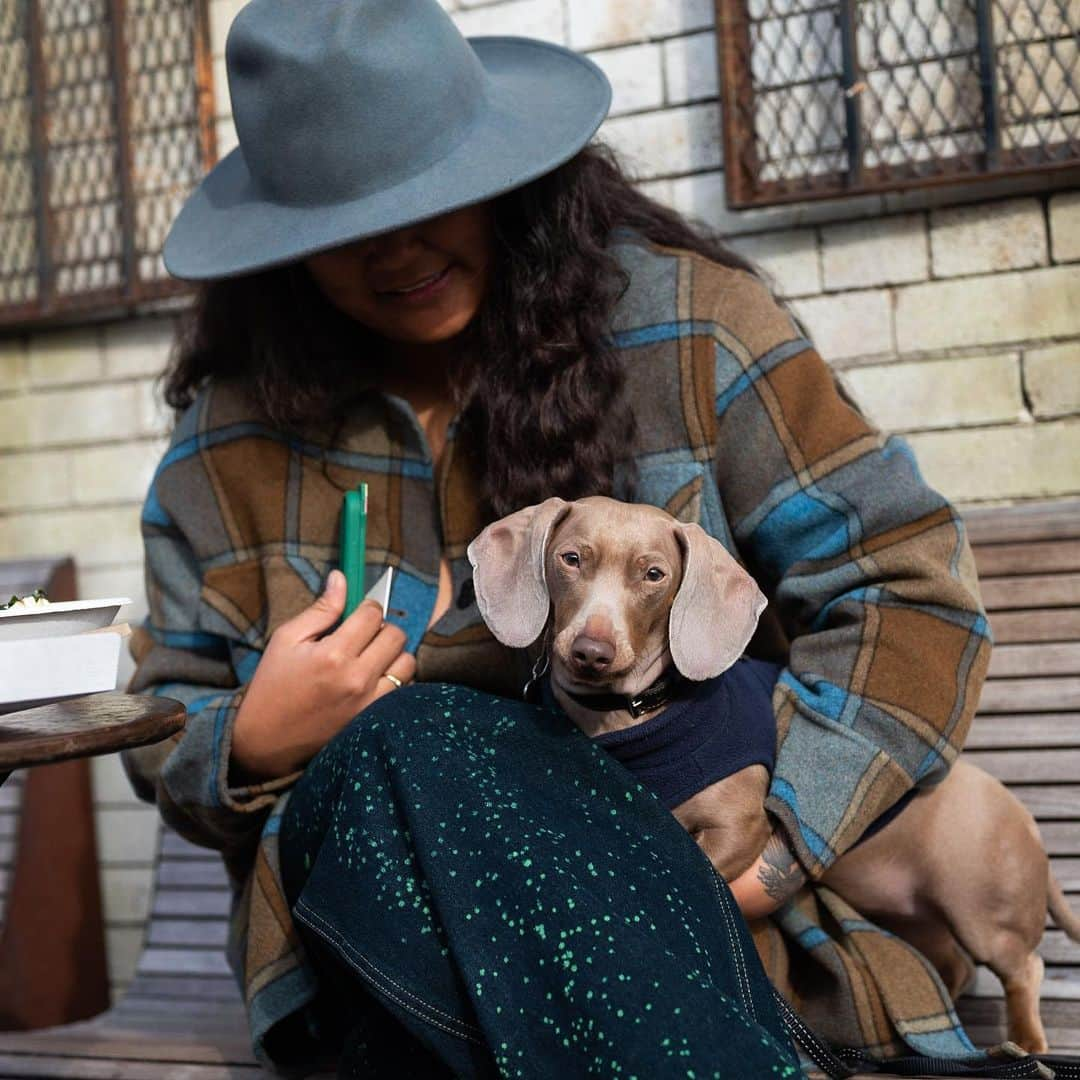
x=741 y=428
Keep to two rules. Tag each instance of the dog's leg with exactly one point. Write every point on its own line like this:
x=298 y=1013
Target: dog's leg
x=1022 y=984
x=728 y=820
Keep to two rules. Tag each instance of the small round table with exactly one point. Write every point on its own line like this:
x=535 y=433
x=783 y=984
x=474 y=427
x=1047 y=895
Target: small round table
x=82 y=726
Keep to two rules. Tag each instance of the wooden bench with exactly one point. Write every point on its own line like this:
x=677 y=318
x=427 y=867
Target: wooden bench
x=1027 y=731
x=182 y=1016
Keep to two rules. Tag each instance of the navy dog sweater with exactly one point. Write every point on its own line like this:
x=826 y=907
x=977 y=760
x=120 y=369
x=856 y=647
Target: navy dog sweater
x=712 y=730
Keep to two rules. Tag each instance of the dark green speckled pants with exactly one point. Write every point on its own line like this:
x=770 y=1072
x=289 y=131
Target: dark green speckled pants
x=484 y=892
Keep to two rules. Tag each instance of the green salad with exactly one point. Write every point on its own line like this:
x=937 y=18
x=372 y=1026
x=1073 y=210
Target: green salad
x=37 y=599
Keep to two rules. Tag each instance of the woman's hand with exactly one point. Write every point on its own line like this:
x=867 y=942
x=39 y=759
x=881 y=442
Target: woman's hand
x=307 y=688
x=771 y=880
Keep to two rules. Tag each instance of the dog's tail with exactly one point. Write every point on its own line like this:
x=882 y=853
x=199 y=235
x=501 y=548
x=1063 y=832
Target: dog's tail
x=1064 y=915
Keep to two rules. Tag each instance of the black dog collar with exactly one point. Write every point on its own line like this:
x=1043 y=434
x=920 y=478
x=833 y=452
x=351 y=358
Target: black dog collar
x=661 y=692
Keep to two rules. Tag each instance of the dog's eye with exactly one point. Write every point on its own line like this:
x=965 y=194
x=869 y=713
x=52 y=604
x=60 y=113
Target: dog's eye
x=654 y=573
x=571 y=558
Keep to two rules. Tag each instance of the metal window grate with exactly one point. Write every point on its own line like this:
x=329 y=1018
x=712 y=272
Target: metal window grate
x=106 y=123
x=830 y=98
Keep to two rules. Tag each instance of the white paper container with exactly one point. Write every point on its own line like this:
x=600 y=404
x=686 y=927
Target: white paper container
x=44 y=669
x=59 y=620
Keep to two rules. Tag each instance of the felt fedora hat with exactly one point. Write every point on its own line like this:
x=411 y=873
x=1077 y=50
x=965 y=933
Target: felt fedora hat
x=357 y=117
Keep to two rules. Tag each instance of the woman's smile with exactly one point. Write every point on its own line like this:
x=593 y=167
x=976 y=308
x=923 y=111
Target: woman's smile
x=422 y=290
x=419 y=285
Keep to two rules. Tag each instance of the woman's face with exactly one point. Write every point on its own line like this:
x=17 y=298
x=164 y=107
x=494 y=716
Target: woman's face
x=421 y=284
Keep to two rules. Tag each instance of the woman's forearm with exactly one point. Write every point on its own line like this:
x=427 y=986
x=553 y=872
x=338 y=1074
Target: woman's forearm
x=769 y=881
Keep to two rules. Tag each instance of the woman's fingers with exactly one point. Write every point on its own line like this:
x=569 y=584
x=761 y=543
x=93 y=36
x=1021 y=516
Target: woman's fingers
x=404 y=671
x=385 y=647
x=358 y=630
x=322 y=614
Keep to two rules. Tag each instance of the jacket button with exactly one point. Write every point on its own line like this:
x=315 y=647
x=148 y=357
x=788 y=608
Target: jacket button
x=466 y=594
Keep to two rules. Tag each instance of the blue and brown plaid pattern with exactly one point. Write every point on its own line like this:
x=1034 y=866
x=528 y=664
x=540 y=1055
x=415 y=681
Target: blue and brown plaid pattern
x=742 y=428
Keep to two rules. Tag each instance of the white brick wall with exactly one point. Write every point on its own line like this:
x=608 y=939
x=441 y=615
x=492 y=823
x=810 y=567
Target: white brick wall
x=81 y=434
x=954 y=314
x=882 y=251
x=1007 y=235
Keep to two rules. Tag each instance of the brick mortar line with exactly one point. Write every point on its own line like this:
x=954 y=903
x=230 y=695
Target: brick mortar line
x=1071 y=420
x=1016 y=500
x=62 y=448
x=695 y=103
x=41 y=511
x=142 y=436
x=1026 y=425
x=45 y=389
x=658 y=40
x=667 y=107
x=955 y=352
x=979 y=275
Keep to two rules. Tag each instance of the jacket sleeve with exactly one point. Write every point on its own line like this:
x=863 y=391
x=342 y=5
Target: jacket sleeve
x=184 y=652
x=868 y=570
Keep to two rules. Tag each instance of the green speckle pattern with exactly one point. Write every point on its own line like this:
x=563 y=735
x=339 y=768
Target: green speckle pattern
x=517 y=903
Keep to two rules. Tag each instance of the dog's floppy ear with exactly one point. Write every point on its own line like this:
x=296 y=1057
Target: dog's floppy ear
x=716 y=608
x=508 y=571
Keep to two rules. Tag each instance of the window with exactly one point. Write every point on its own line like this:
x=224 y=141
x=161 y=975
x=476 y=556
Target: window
x=831 y=97
x=106 y=124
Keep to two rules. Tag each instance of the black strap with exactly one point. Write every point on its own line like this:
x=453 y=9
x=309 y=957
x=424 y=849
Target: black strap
x=843 y=1063
x=658 y=693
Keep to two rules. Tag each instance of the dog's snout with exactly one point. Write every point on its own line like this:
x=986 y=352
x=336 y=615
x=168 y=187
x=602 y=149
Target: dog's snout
x=592 y=653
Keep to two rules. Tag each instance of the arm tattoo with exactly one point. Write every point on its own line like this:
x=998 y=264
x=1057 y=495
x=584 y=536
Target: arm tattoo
x=781 y=875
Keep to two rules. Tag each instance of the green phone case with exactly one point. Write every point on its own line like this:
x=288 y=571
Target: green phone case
x=353 y=544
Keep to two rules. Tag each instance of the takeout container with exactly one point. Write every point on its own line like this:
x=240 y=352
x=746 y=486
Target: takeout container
x=59 y=651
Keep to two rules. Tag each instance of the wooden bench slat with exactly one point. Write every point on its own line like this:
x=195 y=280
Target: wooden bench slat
x=1067 y=871
x=984 y=1019
x=1039 y=557
x=203 y=903
x=188 y=932
x=1059 y=984
x=174 y=846
x=1057 y=948
x=26 y=1067
x=1031 y=591
x=193 y=961
x=1054 y=802
x=1029 y=766
x=158 y=988
x=1020 y=661
x=1019 y=730
x=173 y=1021
x=1053 y=519
x=137 y=1009
x=1055 y=624
x=1061 y=837
x=100 y=1039
x=1061 y=694
x=194 y=875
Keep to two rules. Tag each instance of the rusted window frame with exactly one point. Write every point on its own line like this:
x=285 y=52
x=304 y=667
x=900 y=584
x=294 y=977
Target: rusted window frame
x=49 y=308
x=742 y=168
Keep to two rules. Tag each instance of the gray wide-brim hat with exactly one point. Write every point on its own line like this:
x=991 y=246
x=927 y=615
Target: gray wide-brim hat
x=357 y=117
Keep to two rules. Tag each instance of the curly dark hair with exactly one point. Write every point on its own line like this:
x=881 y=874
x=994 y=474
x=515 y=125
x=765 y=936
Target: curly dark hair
x=541 y=387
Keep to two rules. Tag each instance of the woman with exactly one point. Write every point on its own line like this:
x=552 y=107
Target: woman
x=420 y=276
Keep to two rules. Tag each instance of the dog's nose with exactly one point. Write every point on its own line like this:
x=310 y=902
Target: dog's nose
x=592 y=652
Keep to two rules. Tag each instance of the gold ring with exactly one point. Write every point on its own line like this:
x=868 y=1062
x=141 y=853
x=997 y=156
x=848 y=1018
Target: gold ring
x=394 y=679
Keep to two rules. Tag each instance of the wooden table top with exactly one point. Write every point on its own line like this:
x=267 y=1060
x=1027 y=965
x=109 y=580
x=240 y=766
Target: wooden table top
x=82 y=726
